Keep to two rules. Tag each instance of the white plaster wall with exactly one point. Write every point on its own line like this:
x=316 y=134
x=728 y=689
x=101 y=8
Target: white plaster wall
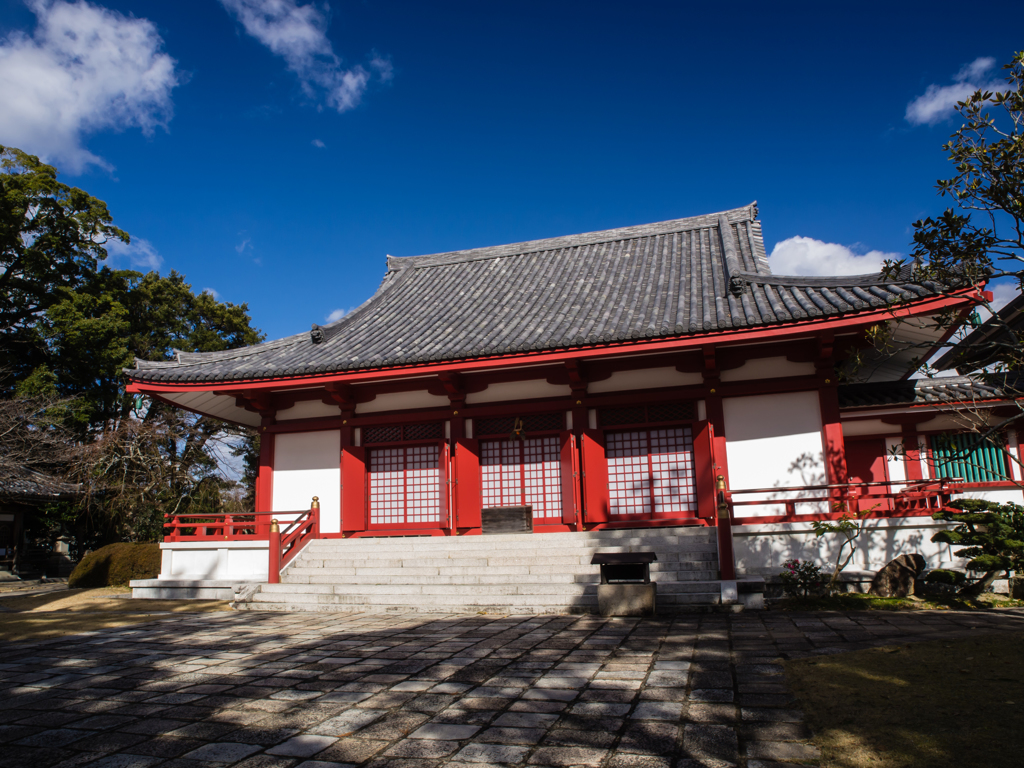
x=774 y=441
x=403 y=401
x=645 y=378
x=308 y=464
x=768 y=368
x=518 y=390
x=761 y=549
x=308 y=409
x=213 y=560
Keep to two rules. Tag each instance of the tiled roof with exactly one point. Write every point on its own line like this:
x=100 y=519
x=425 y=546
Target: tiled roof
x=946 y=389
x=987 y=343
x=674 y=278
x=28 y=485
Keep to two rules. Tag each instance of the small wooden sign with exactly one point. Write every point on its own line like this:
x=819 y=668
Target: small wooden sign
x=506 y=520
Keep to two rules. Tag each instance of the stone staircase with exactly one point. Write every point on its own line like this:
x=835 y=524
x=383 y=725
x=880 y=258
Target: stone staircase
x=511 y=573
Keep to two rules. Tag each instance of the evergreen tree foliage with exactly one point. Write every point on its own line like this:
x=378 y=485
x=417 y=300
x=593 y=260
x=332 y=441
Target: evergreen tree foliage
x=990 y=536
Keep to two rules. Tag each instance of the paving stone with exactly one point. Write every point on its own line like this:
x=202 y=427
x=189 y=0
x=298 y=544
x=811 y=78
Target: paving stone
x=422 y=748
x=352 y=750
x=783 y=751
x=624 y=760
x=126 y=761
x=650 y=738
x=165 y=746
x=566 y=756
x=491 y=754
x=580 y=738
x=711 y=742
x=525 y=720
x=511 y=735
x=222 y=752
x=393 y=726
x=347 y=722
x=658 y=710
x=551 y=694
x=444 y=731
x=317 y=764
x=303 y=745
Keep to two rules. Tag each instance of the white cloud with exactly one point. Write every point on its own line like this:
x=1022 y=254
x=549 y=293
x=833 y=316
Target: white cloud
x=140 y=254
x=246 y=243
x=213 y=292
x=807 y=256
x=298 y=34
x=336 y=315
x=318 y=144
x=84 y=69
x=938 y=101
x=1002 y=294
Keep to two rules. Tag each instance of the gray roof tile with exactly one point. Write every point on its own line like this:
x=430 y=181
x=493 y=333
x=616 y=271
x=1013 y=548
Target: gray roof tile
x=671 y=278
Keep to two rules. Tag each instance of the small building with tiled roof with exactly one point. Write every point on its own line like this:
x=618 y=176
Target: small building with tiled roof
x=632 y=367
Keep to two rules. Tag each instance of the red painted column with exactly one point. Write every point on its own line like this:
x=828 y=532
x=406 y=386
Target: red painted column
x=353 y=479
x=832 y=442
x=264 y=491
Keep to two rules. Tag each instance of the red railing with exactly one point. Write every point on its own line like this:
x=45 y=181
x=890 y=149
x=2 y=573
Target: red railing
x=255 y=526
x=917 y=498
x=250 y=527
x=286 y=544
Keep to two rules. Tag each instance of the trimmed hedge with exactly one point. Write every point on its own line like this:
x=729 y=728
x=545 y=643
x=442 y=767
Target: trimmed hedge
x=115 y=565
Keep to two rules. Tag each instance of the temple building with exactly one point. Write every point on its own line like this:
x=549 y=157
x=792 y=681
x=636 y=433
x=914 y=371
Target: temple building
x=605 y=380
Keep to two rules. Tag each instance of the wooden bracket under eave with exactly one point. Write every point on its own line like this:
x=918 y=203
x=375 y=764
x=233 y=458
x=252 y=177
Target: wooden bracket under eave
x=254 y=402
x=454 y=387
x=578 y=379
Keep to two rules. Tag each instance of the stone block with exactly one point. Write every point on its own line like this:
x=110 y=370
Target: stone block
x=626 y=599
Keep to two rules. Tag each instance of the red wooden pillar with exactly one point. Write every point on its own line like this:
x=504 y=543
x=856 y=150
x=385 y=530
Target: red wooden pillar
x=832 y=442
x=468 y=496
x=353 y=480
x=264 y=476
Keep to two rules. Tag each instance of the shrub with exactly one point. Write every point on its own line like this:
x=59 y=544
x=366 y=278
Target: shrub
x=115 y=565
x=801 y=578
x=941 y=576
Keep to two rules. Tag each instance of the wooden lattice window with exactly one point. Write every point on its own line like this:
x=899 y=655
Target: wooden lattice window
x=519 y=472
x=650 y=471
x=405 y=485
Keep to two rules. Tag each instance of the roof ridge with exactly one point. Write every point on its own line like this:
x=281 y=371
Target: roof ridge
x=706 y=220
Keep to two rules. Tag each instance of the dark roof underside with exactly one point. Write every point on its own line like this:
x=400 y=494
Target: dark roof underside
x=674 y=278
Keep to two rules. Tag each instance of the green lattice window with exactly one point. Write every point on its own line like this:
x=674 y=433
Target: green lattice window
x=968 y=456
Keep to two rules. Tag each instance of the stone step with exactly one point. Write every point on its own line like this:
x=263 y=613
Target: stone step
x=559 y=539
x=517 y=573
x=484 y=578
x=669 y=587
x=456 y=566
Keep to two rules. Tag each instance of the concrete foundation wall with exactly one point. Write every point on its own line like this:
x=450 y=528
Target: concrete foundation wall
x=214 y=560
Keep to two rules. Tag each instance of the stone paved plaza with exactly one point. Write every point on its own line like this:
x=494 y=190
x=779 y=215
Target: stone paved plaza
x=267 y=690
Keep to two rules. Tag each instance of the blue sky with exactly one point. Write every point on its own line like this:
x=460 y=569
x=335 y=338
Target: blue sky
x=275 y=151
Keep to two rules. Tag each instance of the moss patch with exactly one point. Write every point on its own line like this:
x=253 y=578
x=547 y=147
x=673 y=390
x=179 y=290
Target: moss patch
x=939 y=704
x=115 y=565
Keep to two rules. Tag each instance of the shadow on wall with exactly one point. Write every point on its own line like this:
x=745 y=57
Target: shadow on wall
x=763 y=551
